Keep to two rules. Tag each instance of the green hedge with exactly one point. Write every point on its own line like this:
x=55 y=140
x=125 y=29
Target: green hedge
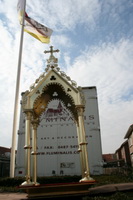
x=11 y=182
x=58 y=179
x=100 y=180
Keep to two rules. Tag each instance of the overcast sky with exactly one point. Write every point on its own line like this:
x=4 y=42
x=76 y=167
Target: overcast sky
x=95 y=39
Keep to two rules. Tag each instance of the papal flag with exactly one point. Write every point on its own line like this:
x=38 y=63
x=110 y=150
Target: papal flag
x=37 y=30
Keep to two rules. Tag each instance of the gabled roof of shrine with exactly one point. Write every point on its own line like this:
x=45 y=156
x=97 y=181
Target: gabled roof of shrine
x=53 y=84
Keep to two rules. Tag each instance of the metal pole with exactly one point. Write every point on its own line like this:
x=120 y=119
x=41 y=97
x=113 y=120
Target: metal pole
x=15 y=117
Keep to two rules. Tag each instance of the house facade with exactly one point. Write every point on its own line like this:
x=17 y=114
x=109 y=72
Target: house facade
x=123 y=155
x=129 y=137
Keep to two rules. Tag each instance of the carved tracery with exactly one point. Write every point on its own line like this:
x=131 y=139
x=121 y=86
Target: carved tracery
x=51 y=92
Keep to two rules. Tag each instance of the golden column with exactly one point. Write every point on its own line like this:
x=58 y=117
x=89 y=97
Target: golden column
x=35 y=123
x=79 y=150
x=83 y=145
x=27 y=146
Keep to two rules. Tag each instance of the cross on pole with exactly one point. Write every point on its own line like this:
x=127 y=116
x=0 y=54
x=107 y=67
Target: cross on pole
x=51 y=51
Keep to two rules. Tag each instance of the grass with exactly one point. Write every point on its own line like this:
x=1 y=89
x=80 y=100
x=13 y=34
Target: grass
x=116 y=196
x=112 y=179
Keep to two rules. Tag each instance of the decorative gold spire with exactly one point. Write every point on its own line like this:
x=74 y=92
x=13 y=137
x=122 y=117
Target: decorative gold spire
x=52 y=62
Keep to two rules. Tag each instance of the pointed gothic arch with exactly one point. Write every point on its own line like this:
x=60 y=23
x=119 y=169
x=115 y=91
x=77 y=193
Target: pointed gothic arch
x=51 y=92
x=53 y=84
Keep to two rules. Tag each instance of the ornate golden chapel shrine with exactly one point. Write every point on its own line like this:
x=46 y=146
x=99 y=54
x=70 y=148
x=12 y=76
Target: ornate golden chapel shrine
x=53 y=84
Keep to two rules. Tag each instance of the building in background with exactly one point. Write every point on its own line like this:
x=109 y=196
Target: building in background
x=57 y=140
x=109 y=158
x=122 y=159
x=129 y=137
x=123 y=155
x=4 y=161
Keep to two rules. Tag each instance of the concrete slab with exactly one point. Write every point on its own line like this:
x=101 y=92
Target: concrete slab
x=104 y=189
x=124 y=186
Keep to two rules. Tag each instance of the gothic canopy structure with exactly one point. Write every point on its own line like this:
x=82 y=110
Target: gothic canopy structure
x=52 y=84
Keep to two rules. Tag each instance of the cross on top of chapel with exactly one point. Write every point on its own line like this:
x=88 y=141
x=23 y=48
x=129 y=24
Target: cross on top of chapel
x=51 y=51
x=52 y=61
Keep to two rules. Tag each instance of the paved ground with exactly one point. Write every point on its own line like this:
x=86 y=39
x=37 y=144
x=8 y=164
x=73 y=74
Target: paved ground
x=105 y=189
x=13 y=196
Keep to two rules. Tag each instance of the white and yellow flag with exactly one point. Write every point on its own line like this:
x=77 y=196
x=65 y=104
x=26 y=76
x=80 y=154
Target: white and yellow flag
x=37 y=30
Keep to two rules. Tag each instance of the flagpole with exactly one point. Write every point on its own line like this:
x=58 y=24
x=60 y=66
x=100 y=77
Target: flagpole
x=16 y=103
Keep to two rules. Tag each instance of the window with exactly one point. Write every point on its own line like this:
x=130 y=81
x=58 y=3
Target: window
x=53 y=172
